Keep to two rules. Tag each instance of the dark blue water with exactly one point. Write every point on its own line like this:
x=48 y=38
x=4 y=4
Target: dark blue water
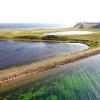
x=13 y=53
x=4 y=26
x=75 y=81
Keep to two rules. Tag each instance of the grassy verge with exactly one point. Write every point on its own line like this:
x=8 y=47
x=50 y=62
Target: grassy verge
x=92 y=40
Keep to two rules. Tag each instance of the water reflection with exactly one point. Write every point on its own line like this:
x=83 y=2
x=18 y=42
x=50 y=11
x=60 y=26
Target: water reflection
x=14 y=53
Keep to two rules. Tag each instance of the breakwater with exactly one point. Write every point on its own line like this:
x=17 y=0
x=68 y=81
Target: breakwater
x=42 y=66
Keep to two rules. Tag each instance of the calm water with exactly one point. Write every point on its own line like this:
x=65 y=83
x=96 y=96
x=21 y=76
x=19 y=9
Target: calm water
x=14 y=53
x=76 y=81
x=15 y=26
x=69 y=33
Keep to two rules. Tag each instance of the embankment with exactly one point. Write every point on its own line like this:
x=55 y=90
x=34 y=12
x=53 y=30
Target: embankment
x=31 y=69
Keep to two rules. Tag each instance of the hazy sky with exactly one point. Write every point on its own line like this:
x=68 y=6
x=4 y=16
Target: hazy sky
x=49 y=11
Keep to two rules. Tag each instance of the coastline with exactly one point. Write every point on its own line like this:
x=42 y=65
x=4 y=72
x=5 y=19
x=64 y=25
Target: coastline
x=19 y=73
x=8 y=77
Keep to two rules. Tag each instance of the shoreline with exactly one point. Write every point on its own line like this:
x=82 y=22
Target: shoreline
x=11 y=76
x=31 y=69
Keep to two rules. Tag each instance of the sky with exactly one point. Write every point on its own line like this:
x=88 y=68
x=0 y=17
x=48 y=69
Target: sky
x=66 y=12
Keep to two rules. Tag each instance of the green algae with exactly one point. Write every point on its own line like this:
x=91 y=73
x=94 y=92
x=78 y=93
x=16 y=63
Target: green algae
x=76 y=81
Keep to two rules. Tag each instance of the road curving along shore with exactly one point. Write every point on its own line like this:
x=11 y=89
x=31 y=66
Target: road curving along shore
x=7 y=77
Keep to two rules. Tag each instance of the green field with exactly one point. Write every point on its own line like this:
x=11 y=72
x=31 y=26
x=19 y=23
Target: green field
x=37 y=35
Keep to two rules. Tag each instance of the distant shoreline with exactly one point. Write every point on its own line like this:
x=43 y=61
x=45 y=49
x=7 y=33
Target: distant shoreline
x=28 y=26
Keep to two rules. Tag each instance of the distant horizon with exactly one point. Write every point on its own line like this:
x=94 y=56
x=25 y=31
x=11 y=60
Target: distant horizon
x=64 y=12
x=54 y=24
x=11 y=26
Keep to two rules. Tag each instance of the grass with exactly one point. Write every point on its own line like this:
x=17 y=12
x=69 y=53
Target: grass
x=37 y=35
x=92 y=40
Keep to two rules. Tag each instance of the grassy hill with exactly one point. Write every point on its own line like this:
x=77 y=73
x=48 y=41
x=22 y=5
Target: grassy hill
x=85 y=25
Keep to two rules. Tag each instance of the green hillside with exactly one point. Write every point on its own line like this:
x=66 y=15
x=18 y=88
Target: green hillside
x=85 y=25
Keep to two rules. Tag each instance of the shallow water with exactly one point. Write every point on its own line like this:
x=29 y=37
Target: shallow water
x=13 y=53
x=76 y=81
x=69 y=33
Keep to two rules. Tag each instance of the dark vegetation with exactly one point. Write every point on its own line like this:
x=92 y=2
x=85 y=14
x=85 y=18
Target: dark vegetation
x=50 y=37
x=26 y=37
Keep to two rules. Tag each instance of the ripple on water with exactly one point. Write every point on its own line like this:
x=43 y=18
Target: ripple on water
x=14 y=53
x=75 y=81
